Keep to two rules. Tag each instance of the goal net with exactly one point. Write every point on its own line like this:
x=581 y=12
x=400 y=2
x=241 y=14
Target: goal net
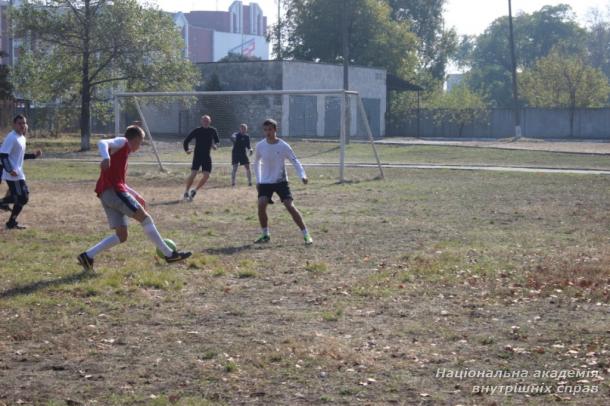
x=335 y=120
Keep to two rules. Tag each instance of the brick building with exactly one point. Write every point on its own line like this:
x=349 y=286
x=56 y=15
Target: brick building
x=211 y=35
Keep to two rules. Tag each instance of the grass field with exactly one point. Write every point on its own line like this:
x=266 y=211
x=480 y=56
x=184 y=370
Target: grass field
x=312 y=152
x=411 y=281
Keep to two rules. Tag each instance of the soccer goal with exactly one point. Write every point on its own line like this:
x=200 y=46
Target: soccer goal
x=325 y=116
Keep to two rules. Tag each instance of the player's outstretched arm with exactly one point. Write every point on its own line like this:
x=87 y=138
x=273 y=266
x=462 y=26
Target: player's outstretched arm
x=187 y=141
x=257 y=166
x=297 y=164
x=33 y=155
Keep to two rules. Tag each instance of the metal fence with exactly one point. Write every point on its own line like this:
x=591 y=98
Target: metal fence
x=499 y=123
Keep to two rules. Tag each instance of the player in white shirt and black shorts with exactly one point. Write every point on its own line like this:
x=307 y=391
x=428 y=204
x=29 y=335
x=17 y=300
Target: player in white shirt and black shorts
x=12 y=154
x=271 y=178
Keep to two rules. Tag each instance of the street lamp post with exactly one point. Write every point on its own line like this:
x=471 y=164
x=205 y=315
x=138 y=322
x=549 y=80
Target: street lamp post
x=516 y=112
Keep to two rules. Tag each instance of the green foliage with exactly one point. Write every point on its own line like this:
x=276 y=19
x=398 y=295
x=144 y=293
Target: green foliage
x=314 y=32
x=6 y=88
x=461 y=105
x=535 y=35
x=79 y=51
x=233 y=57
x=561 y=80
x=598 y=45
x=436 y=44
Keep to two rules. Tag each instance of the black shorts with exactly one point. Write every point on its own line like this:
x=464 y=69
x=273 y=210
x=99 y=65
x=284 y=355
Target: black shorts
x=239 y=159
x=203 y=162
x=267 y=189
x=19 y=191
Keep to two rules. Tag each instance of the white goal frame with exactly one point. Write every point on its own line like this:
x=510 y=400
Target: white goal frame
x=344 y=94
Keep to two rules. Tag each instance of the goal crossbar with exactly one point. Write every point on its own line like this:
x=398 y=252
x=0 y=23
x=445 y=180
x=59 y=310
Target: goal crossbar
x=337 y=92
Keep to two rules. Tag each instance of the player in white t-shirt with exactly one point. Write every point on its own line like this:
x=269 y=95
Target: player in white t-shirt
x=12 y=154
x=271 y=177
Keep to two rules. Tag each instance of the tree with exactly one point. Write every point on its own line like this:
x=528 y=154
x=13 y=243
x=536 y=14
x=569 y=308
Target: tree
x=535 y=35
x=598 y=44
x=436 y=44
x=313 y=32
x=6 y=89
x=78 y=50
x=233 y=57
x=460 y=105
x=560 y=80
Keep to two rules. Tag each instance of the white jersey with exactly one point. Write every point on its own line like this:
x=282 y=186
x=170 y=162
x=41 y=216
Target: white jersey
x=269 y=162
x=14 y=147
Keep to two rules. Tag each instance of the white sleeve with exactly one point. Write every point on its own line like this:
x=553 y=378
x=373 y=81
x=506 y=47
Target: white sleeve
x=7 y=145
x=295 y=162
x=257 y=164
x=106 y=147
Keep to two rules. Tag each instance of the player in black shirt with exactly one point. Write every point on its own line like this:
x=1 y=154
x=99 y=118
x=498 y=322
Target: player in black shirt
x=206 y=138
x=239 y=156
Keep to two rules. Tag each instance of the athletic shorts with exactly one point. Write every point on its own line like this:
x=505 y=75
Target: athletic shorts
x=267 y=189
x=203 y=162
x=19 y=191
x=239 y=159
x=119 y=206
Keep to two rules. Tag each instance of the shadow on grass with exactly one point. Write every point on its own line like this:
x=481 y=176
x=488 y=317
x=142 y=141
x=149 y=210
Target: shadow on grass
x=166 y=203
x=36 y=286
x=228 y=250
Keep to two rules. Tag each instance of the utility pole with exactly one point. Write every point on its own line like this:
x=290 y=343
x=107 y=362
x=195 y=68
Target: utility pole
x=516 y=112
x=346 y=10
x=279 y=30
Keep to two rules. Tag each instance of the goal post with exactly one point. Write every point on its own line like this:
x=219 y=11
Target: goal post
x=309 y=114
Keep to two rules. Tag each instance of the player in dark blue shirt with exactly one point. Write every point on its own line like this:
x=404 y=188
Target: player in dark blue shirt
x=206 y=138
x=240 y=152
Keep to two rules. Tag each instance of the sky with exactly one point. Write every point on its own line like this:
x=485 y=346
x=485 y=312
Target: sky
x=469 y=17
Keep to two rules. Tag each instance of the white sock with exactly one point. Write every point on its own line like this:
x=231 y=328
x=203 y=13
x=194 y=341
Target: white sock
x=305 y=232
x=105 y=244
x=265 y=230
x=153 y=235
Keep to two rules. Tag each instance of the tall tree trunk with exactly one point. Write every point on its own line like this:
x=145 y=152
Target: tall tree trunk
x=85 y=110
x=572 y=114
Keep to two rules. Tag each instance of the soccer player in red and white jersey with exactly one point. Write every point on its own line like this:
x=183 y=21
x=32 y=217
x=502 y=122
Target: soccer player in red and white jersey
x=120 y=201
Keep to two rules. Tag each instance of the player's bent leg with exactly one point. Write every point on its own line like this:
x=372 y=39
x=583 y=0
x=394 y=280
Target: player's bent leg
x=263 y=202
x=248 y=174
x=20 y=195
x=204 y=179
x=298 y=219
x=294 y=212
x=121 y=233
x=153 y=235
x=189 y=182
x=234 y=173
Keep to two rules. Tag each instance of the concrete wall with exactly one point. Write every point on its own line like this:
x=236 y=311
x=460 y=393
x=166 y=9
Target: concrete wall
x=370 y=83
x=311 y=115
x=499 y=123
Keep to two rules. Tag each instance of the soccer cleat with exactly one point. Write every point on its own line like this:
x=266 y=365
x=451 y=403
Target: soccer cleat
x=185 y=196
x=192 y=194
x=177 y=257
x=13 y=225
x=262 y=239
x=308 y=240
x=85 y=261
